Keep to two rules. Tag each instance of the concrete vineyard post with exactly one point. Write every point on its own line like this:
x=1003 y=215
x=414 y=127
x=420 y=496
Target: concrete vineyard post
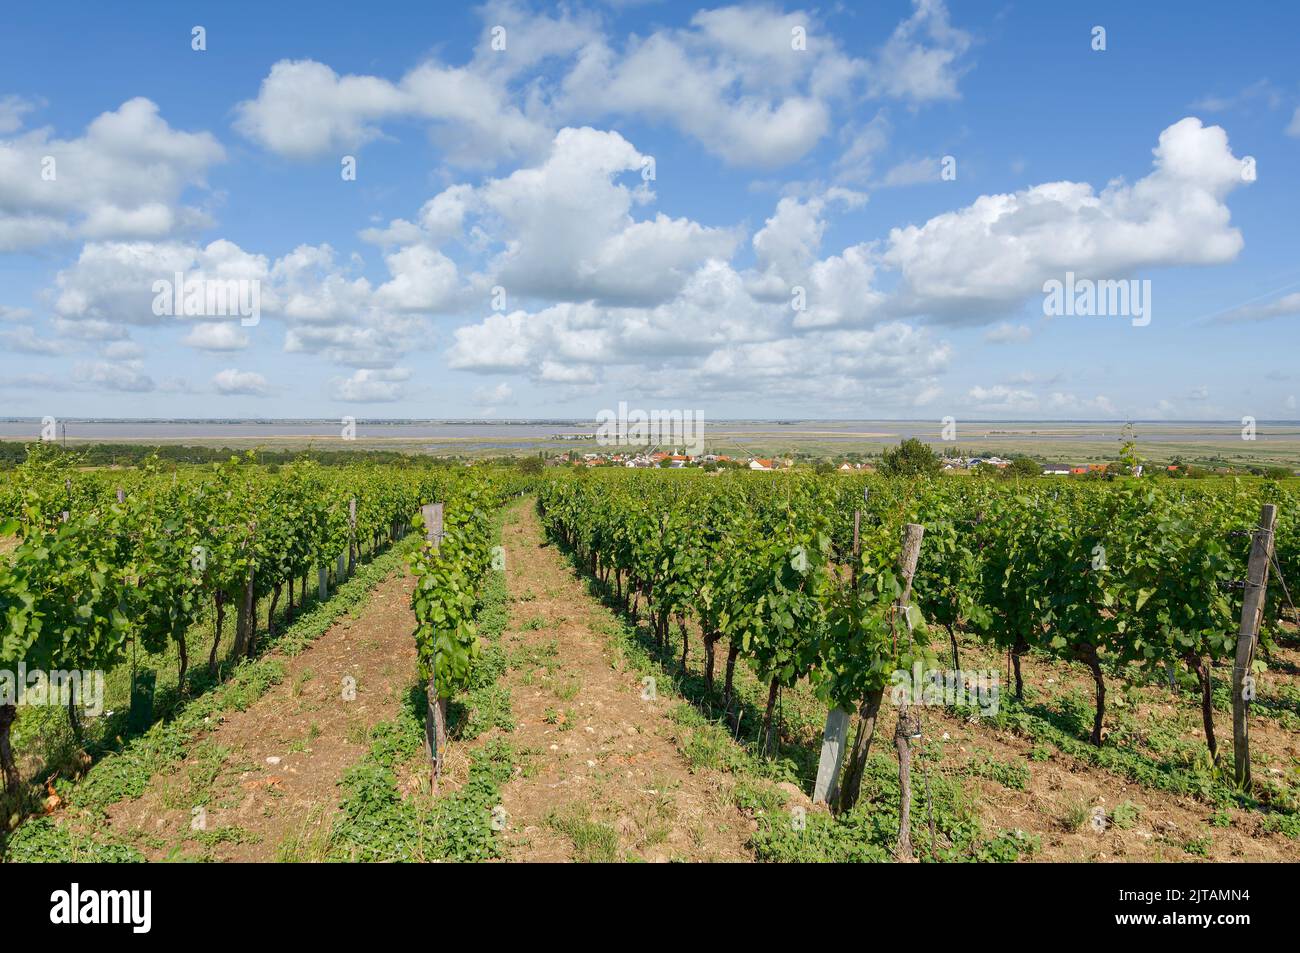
x=322 y=583
x=1252 y=612
x=432 y=513
x=826 y=789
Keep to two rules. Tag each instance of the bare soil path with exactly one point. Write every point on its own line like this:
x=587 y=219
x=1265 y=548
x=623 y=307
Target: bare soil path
x=1165 y=824
x=603 y=777
x=262 y=784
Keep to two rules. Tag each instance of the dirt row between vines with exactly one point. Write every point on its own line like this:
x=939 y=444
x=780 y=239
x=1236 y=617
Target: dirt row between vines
x=265 y=779
x=1064 y=783
x=602 y=775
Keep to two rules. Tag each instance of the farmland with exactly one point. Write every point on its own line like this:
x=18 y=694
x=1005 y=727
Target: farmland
x=1211 y=444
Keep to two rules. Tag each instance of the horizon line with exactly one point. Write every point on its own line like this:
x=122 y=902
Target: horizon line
x=706 y=421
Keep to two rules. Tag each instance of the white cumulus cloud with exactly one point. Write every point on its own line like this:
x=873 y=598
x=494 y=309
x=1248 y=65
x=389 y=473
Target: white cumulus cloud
x=232 y=381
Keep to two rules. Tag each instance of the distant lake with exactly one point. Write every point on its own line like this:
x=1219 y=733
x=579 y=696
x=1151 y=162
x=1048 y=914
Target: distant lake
x=489 y=434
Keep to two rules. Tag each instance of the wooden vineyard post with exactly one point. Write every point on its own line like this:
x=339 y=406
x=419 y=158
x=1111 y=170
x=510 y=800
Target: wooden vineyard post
x=1252 y=612
x=908 y=728
x=911 y=554
x=246 y=616
x=245 y=619
x=435 y=715
x=435 y=731
x=250 y=618
x=352 y=535
x=826 y=788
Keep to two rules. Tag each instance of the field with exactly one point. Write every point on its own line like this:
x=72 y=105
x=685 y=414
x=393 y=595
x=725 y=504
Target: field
x=1213 y=444
x=639 y=665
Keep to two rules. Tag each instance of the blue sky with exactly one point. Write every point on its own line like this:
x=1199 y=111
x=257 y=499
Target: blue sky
x=780 y=174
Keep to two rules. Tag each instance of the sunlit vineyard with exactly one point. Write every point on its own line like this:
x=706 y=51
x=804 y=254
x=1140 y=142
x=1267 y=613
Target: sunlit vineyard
x=770 y=603
x=1134 y=581
x=107 y=564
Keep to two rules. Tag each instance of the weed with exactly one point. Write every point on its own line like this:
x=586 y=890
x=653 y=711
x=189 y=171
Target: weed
x=1009 y=774
x=1076 y=816
x=1125 y=815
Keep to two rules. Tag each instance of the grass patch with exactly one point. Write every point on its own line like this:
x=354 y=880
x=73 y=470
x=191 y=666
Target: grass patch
x=309 y=843
x=868 y=833
x=1009 y=774
x=593 y=842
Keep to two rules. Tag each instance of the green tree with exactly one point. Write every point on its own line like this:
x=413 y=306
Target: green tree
x=910 y=458
x=1024 y=467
